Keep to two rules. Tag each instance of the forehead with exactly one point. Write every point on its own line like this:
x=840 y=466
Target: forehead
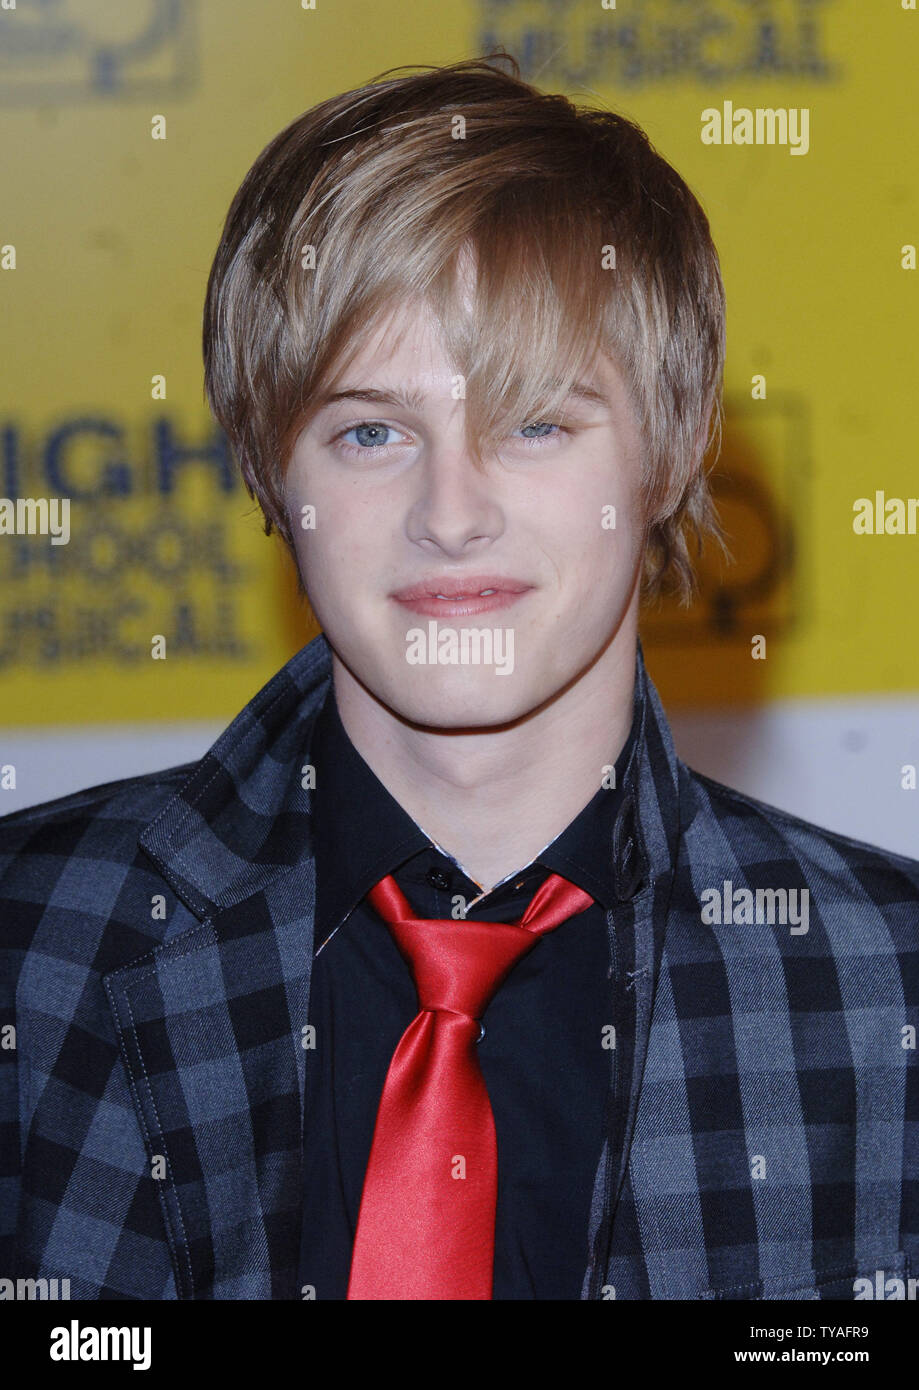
x=405 y=338
x=404 y=355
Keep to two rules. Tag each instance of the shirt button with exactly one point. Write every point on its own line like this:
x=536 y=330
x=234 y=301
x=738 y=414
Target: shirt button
x=438 y=879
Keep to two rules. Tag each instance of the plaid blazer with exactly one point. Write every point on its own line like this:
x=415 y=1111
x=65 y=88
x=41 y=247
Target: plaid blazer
x=763 y=1136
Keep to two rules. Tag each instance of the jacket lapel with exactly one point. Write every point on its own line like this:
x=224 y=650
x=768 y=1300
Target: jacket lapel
x=210 y=1023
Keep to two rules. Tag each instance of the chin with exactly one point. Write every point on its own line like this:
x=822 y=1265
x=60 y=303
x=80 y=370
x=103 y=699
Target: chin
x=453 y=698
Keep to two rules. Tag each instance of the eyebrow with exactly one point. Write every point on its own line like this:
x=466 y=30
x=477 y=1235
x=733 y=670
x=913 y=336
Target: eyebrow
x=414 y=400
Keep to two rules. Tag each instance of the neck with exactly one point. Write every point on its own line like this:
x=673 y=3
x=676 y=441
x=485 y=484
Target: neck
x=494 y=798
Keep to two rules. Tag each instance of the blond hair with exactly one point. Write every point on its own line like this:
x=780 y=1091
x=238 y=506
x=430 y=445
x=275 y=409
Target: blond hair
x=583 y=238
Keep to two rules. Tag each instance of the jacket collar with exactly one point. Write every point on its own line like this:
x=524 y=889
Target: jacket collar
x=243 y=816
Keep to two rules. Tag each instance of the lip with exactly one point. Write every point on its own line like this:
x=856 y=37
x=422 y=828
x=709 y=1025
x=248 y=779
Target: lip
x=463 y=595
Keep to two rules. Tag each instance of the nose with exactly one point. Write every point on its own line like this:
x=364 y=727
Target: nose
x=455 y=505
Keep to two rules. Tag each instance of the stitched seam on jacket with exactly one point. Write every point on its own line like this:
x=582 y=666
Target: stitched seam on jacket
x=798 y=1281
x=149 y=1139
x=188 y=948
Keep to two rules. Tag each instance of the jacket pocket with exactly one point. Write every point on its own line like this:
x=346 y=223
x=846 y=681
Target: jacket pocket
x=886 y=1277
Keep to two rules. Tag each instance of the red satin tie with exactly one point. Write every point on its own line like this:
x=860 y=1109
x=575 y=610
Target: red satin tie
x=426 y=1226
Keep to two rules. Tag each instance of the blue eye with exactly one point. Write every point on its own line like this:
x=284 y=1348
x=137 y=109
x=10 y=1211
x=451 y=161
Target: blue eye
x=539 y=425
x=371 y=431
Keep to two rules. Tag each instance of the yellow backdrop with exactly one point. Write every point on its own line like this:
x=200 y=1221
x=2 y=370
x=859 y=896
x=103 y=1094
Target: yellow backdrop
x=108 y=234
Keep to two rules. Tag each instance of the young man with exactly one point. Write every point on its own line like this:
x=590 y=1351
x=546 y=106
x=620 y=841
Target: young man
x=440 y=976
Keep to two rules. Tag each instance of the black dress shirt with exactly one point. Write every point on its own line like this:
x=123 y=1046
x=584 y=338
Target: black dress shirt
x=542 y=1054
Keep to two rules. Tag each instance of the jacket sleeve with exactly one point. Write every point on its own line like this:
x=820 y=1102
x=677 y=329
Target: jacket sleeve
x=22 y=903
x=10 y=1165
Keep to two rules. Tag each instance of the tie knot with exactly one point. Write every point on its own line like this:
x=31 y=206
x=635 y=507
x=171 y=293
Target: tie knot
x=458 y=965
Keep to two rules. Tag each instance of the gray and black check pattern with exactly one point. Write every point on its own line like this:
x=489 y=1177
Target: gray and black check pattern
x=157 y=938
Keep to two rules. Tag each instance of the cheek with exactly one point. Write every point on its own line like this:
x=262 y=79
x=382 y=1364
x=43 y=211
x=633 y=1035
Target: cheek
x=602 y=570
x=349 y=542
x=595 y=529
